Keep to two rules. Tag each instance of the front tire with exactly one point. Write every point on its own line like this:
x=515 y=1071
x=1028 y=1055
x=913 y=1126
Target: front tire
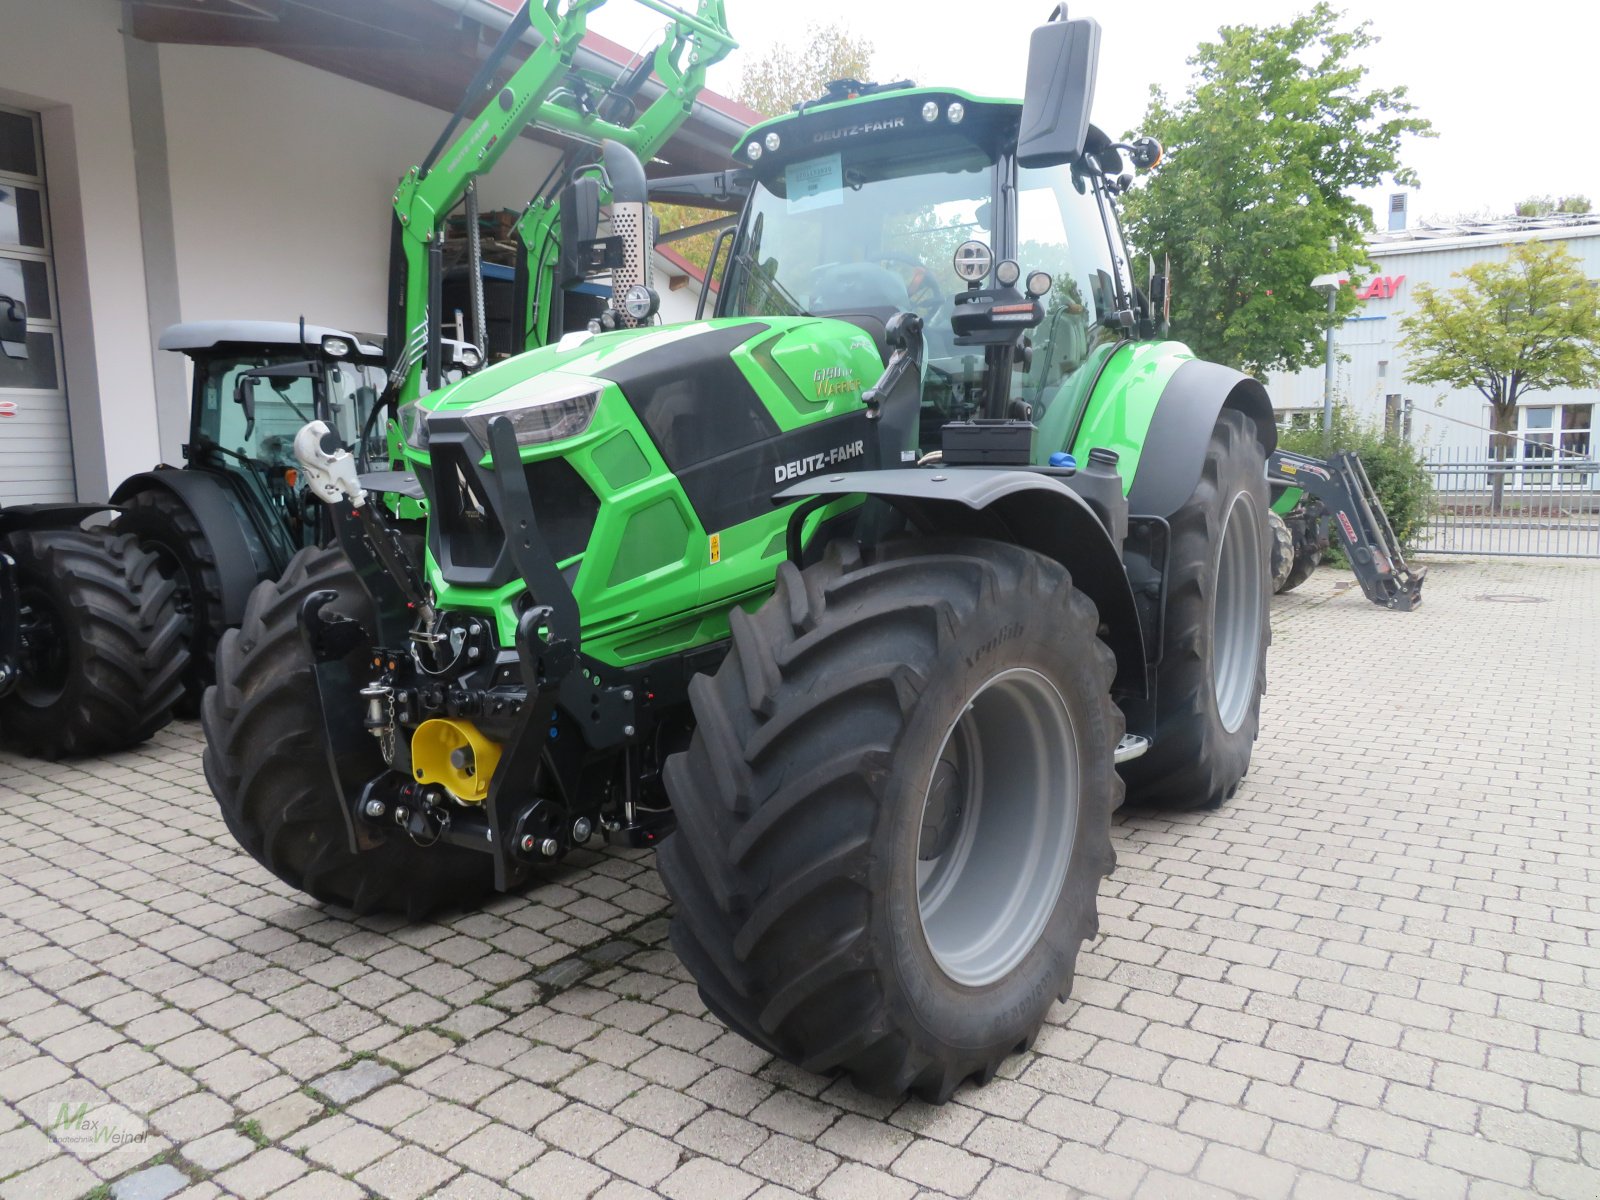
x=894 y=815
x=266 y=761
x=1213 y=668
x=105 y=658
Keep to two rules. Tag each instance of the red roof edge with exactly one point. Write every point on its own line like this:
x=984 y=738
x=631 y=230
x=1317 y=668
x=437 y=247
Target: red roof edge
x=684 y=265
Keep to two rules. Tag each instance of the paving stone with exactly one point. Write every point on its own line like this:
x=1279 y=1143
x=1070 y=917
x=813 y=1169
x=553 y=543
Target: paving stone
x=351 y=1083
x=152 y=1183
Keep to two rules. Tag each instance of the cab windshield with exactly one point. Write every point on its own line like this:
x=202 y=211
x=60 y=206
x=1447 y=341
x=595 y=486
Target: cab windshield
x=846 y=234
x=859 y=237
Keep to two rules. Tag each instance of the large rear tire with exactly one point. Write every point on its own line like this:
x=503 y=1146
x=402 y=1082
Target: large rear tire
x=104 y=659
x=894 y=815
x=165 y=527
x=267 y=763
x=1214 y=655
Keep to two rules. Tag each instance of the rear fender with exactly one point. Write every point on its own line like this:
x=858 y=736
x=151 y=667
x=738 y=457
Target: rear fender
x=243 y=558
x=1022 y=507
x=1180 y=430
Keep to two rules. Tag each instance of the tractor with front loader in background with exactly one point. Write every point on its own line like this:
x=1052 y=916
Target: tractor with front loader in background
x=866 y=600
x=235 y=513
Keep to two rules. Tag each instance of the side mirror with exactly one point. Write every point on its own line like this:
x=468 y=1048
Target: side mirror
x=244 y=395
x=583 y=253
x=13 y=327
x=1062 y=59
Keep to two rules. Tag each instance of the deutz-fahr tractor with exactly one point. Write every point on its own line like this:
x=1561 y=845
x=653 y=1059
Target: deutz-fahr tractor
x=865 y=600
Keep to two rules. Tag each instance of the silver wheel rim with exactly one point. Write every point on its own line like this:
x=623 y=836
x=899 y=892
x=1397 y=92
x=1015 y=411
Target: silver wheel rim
x=999 y=819
x=1236 y=617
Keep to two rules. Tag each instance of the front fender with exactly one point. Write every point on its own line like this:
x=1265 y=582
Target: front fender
x=1025 y=508
x=243 y=558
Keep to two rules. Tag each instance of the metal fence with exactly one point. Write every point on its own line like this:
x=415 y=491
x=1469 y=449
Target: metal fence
x=1538 y=507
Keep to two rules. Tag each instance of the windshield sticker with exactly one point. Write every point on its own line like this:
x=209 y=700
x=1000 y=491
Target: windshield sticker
x=815 y=183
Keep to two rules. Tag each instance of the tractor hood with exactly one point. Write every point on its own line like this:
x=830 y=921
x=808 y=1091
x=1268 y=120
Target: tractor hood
x=730 y=370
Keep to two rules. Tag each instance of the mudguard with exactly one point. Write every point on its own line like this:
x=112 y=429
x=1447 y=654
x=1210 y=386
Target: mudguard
x=1175 y=444
x=1025 y=508
x=19 y=517
x=243 y=558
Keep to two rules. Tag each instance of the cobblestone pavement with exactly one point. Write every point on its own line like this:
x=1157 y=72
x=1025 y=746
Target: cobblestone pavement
x=1375 y=972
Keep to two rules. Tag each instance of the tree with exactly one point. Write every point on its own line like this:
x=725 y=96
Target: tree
x=788 y=75
x=1543 y=206
x=784 y=77
x=1524 y=324
x=1255 y=200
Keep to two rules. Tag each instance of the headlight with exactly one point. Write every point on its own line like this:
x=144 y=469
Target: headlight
x=772 y=140
x=414 y=426
x=930 y=111
x=956 y=112
x=539 y=412
x=753 y=151
x=471 y=357
x=335 y=347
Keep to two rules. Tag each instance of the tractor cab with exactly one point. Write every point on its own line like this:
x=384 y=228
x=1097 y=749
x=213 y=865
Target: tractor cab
x=881 y=199
x=255 y=384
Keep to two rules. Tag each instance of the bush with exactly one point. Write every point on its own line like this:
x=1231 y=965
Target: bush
x=1396 y=469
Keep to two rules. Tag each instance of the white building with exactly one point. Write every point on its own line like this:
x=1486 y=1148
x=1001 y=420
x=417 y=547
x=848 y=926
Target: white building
x=169 y=160
x=1370 y=366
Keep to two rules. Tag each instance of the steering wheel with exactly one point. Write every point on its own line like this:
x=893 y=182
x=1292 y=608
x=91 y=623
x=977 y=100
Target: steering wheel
x=922 y=289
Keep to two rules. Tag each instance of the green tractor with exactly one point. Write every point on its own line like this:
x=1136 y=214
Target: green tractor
x=866 y=600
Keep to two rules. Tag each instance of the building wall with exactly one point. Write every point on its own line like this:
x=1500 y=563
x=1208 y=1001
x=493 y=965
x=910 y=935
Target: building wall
x=283 y=180
x=1369 y=365
x=65 y=61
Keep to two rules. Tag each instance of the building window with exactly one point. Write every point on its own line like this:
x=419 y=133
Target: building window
x=1298 y=418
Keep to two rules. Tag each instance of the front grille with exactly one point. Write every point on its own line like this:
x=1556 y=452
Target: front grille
x=465 y=511
x=563 y=504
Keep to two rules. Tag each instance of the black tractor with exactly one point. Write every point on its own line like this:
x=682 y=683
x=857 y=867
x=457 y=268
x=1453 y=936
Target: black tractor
x=93 y=649
x=236 y=512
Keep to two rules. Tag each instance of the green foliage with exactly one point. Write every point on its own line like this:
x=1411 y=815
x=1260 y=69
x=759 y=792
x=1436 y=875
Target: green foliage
x=1398 y=472
x=791 y=74
x=1543 y=206
x=1263 y=154
x=1526 y=323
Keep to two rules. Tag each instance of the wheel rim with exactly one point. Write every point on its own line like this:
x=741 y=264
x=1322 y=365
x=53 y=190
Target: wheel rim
x=45 y=659
x=999 y=820
x=1236 y=617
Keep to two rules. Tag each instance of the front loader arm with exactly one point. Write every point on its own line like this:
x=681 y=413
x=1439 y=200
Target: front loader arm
x=533 y=95
x=1359 y=523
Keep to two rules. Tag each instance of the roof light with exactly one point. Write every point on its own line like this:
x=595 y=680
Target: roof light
x=956 y=112
x=772 y=141
x=753 y=151
x=930 y=111
x=335 y=347
x=1007 y=272
x=1039 y=283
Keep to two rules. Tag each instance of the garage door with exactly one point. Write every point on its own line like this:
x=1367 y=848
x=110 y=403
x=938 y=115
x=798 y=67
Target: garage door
x=35 y=440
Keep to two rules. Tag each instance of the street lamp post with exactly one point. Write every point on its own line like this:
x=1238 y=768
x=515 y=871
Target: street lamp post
x=1329 y=283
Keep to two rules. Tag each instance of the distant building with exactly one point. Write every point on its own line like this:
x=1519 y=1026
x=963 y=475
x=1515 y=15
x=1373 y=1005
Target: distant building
x=1370 y=367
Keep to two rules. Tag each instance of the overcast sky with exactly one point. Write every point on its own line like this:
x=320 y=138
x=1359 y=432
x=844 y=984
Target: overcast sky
x=1513 y=101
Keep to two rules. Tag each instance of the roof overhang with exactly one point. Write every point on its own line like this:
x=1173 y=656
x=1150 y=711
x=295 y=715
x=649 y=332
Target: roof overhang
x=425 y=50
